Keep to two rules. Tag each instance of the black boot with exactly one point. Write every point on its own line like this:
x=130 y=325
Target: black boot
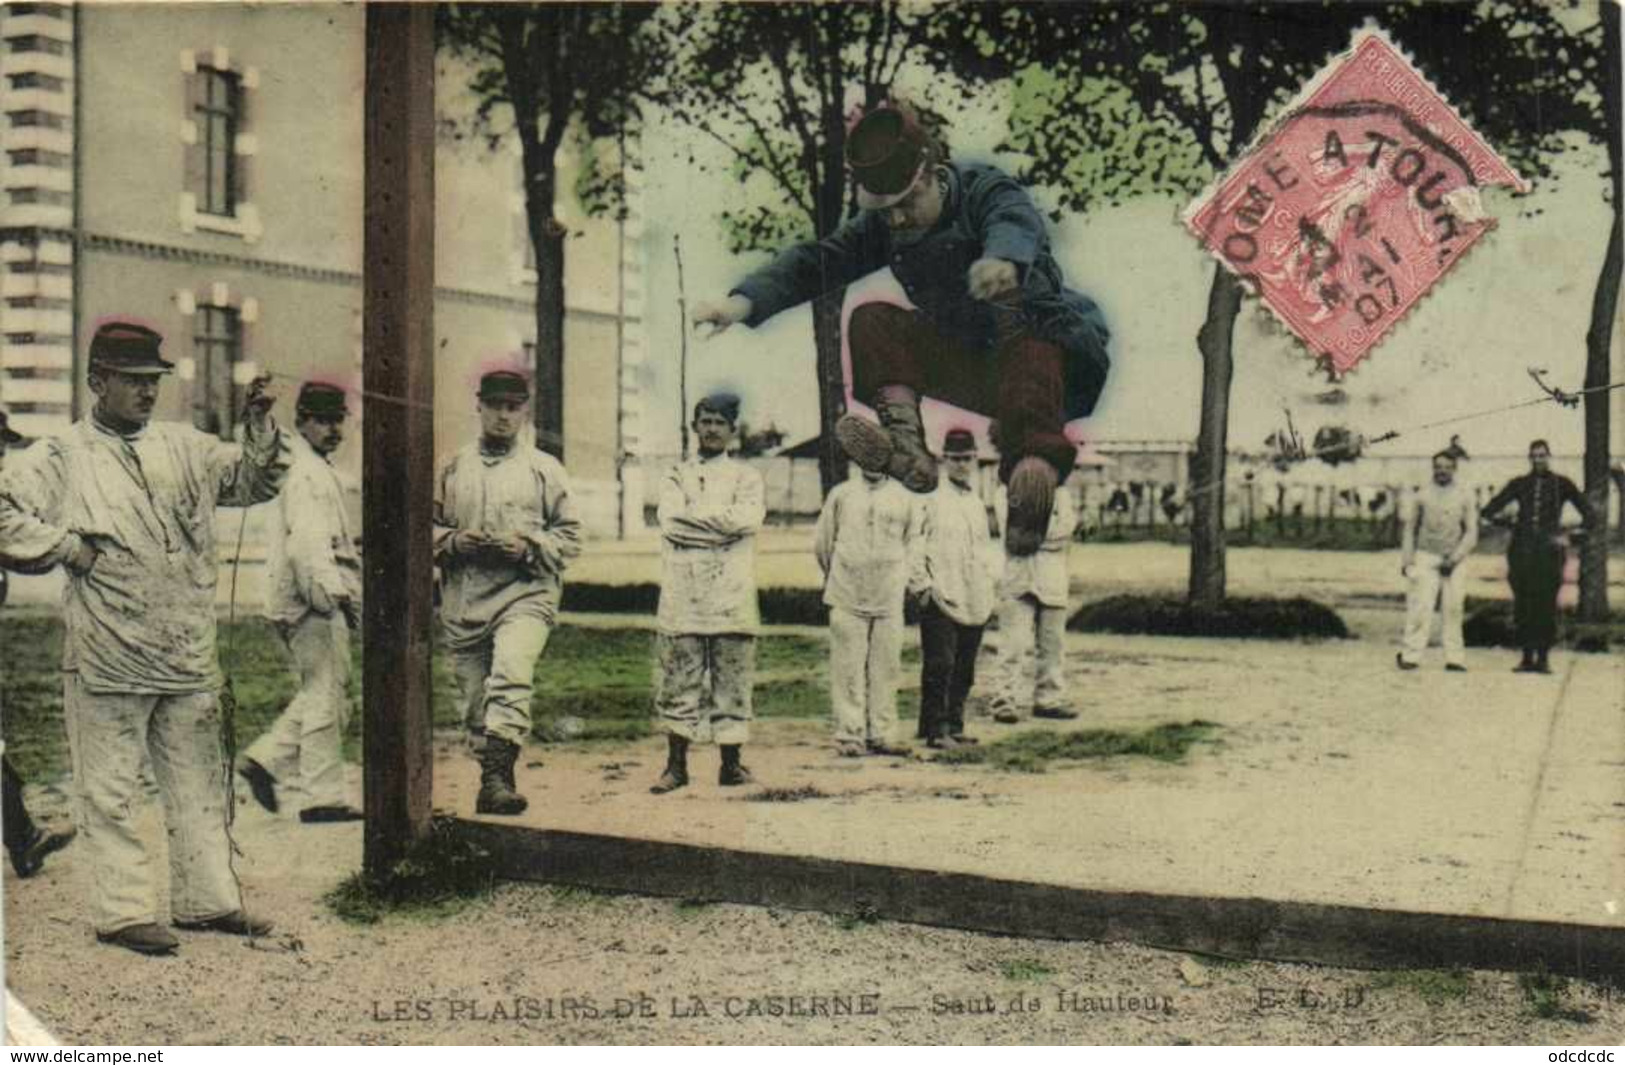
x=733 y=774
x=1541 y=663
x=497 y=794
x=1527 y=664
x=676 y=774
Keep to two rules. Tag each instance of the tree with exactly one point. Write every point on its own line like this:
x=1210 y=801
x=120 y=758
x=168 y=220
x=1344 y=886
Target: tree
x=1121 y=100
x=548 y=68
x=1526 y=80
x=773 y=84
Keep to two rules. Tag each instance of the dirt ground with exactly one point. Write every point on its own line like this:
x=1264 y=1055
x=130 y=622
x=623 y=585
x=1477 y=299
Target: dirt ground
x=542 y=965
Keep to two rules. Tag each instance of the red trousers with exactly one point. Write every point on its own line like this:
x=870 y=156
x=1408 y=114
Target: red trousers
x=1020 y=382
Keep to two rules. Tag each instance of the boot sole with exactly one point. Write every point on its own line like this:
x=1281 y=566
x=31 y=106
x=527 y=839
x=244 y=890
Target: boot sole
x=864 y=442
x=1032 y=496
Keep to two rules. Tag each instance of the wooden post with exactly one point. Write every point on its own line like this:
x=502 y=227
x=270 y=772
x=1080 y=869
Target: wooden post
x=398 y=311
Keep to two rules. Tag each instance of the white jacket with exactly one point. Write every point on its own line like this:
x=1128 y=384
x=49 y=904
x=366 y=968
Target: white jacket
x=710 y=511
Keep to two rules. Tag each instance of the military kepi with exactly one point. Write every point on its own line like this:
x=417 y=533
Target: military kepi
x=126 y=347
x=723 y=403
x=504 y=384
x=959 y=442
x=886 y=153
x=321 y=399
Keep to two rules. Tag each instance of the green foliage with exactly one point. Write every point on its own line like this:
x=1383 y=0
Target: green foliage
x=796 y=794
x=1546 y=997
x=1025 y=970
x=1032 y=751
x=1433 y=986
x=1489 y=624
x=1234 y=618
x=441 y=875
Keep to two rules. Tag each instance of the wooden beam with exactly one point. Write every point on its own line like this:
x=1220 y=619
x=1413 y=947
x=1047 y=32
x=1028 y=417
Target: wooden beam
x=1321 y=934
x=398 y=311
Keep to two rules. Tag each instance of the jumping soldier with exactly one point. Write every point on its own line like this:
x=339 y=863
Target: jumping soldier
x=993 y=329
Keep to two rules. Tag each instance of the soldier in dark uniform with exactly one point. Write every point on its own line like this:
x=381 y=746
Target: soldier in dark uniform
x=1536 y=556
x=26 y=843
x=994 y=328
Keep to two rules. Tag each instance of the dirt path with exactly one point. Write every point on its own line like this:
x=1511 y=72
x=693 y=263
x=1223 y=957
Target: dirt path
x=533 y=964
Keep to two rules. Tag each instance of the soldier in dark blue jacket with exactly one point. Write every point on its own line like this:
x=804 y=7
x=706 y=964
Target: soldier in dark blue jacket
x=994 y=328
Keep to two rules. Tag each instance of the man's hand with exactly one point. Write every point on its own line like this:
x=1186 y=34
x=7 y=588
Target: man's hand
x=258 y=403
x=1447 y=567
x=719 y=315
x=466 y=542
x=990 y=279
x=321 y=601
x=1405 y=568
x=511 y=548
x=83 y=558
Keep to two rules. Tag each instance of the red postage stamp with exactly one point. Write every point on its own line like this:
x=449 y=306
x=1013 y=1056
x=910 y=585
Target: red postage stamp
x=1358 y=199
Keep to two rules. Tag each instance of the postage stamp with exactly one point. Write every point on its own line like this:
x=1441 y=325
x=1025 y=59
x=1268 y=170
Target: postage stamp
x=1357 y=201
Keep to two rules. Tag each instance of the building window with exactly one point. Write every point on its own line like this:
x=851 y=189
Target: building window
x=217 y=112
x=217 y=346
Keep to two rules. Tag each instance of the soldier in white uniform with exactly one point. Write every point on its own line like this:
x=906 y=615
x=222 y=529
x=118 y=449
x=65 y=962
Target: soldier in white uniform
x=315 y=594
x=711 y=508
x=27 y=844
x=505 y=529
x=127 y=507
x=869 y=547
x=1438 y=530
x=959 y=596
x=1032 y=620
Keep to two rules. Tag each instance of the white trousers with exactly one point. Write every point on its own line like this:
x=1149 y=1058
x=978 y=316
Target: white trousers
x=865 y=659
x=1428 y=586
x=308 y=737
x=108 y=735
x=704 y=686
x=1031 y=662
x=496 y=677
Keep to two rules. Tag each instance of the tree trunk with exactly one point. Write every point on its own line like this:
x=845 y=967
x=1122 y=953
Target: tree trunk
x=831 y=387
x=1599 y=342
x=1214 y=340
x=1599 y=345
x=547 y=238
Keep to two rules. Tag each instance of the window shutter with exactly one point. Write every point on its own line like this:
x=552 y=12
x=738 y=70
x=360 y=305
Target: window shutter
x=195 y=82
x=241 y=165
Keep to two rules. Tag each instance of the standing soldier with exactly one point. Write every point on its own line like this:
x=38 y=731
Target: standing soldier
x=1032 y=620
x=868 y=545
x=505 y=528
x=27 y=844
x=315 y=592
x=711 y=508
x=1438 y=530
x=127 y=507
x=1536 y=556
x=958 y=596
x=993 y=327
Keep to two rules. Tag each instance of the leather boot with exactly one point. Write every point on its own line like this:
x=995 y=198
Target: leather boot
x=676 y=774
x=497 y=794
x=732 y=773
x=911 y=461
x=1032 y=495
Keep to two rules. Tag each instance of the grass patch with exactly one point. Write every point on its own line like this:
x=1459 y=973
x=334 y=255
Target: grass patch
x=1489 y=624
x=864 y=915
x=1235 y=618
x=1025 y=969
x=1433 y=986
x=801 y=794
x=1033 y=751
x=440 y=876
x=686 y=908
x=1546 y=996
